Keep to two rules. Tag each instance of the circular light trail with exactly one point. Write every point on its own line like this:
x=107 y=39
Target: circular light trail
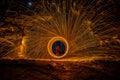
x=58 y=47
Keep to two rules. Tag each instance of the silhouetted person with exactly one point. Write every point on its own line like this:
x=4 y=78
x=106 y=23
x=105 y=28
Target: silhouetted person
x=57 y=52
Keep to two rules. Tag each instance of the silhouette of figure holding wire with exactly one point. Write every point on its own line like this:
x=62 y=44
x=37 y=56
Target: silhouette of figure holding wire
x=57 y=52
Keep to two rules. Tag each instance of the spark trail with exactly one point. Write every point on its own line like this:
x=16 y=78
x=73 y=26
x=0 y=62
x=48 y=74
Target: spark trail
x=90 y=27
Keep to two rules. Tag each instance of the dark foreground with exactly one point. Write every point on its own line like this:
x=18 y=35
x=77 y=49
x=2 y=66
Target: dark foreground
x=46 y=70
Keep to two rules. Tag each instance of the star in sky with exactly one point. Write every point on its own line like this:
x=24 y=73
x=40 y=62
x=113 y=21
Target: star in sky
x=29 y=3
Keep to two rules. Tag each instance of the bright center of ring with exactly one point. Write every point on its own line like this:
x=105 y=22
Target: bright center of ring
x=58 y=47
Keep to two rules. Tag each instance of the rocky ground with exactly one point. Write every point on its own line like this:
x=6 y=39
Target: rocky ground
x=59 y=70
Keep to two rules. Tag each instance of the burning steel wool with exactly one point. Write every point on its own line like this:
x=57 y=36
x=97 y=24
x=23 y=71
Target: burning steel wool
x=67 y=29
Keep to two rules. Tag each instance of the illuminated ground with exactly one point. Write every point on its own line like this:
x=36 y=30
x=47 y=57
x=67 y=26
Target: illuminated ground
x=55 y=70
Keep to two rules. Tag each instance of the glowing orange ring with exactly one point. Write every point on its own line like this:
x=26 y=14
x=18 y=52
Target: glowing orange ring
x=50 y=43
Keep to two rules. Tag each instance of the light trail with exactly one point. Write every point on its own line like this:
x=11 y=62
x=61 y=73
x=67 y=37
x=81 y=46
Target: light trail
x=88 y=27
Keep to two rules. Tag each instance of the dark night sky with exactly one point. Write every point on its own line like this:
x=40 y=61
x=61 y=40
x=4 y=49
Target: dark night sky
x=5 y=4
